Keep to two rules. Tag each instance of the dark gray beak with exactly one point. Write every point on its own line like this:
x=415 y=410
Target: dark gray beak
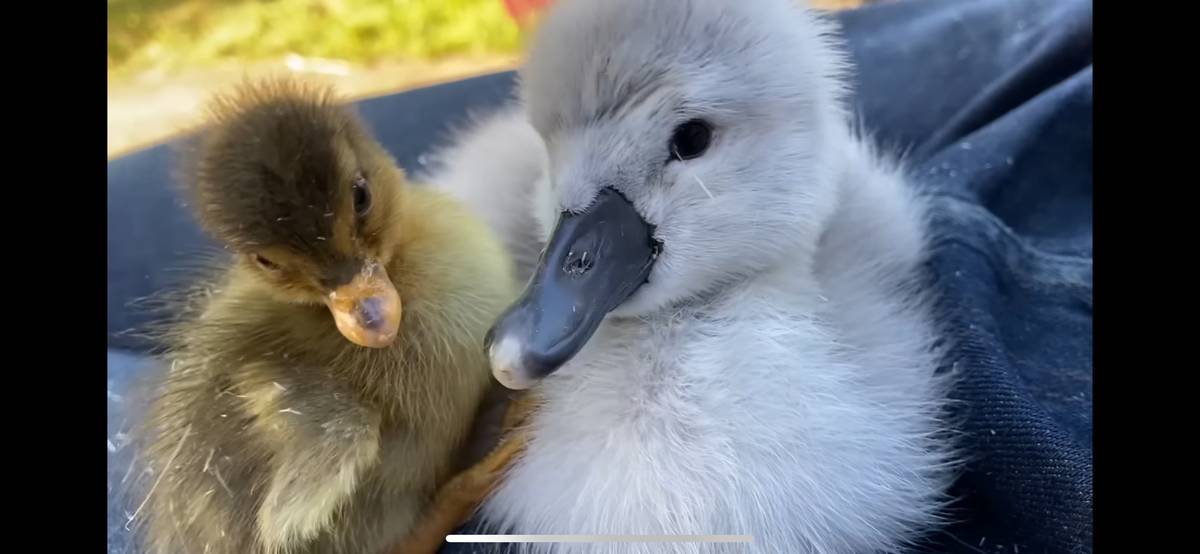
x=594 y=261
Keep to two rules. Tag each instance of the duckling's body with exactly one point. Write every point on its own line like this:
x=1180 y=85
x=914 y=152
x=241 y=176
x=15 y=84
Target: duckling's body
x=767 y=367
x=271 y=432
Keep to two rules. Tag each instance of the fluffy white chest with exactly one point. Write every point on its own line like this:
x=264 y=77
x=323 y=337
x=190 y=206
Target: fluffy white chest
x=758 y=426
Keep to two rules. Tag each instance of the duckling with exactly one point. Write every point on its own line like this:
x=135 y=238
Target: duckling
x=319 y=392
x=728 y=330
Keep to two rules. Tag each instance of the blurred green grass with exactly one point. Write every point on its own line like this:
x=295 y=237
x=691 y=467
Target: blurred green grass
x=171 y=35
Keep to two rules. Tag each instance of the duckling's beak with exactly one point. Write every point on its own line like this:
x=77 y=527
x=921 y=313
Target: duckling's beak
x=367 y=309
x=593 y=262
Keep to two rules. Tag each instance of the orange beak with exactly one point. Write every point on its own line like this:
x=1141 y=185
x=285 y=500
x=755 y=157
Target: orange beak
x=367 y=310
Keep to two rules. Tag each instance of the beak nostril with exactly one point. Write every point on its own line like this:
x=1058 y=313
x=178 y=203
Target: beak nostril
x=370 y=312
x=577 y=264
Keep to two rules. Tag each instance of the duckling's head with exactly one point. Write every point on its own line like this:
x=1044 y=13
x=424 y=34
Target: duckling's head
x=689 y=143
x=292 y=183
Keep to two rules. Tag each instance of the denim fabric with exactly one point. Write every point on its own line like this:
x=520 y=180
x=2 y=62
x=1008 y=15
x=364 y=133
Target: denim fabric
x=991 y=101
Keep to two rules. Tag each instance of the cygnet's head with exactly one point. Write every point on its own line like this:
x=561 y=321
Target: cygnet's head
x=688 y=146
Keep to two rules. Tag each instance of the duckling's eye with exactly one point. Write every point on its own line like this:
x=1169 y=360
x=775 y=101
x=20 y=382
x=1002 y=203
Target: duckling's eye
x=690 y=140
x=264 y=263
x=362 y=195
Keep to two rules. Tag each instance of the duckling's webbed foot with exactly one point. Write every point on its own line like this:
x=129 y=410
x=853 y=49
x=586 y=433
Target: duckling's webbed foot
x=458 y=498
x=519 y=411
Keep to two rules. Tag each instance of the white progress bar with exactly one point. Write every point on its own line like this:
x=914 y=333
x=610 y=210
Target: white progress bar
x=597 y=538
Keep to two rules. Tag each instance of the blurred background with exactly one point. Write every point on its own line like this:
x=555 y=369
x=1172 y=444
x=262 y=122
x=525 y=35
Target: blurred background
x=165 y=57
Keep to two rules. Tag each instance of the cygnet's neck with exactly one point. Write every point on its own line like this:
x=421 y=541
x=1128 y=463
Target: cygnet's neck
x=790 y=282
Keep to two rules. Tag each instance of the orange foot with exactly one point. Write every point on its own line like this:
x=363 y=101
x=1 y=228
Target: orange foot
x=458 y=498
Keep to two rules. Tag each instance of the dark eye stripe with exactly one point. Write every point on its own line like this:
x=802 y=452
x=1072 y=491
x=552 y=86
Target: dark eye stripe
x=265 y=263
x=362 y=195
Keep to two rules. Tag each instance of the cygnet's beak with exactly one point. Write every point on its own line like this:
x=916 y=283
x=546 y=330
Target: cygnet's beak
x=367 y=309
x=593 y=262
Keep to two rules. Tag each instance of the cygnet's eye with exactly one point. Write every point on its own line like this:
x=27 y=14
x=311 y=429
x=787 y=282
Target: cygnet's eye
x=264 y=263
x=690 y=140
x=362 y=195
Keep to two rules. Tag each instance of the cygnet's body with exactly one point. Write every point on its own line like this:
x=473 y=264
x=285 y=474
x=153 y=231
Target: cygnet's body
x=774 y=376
